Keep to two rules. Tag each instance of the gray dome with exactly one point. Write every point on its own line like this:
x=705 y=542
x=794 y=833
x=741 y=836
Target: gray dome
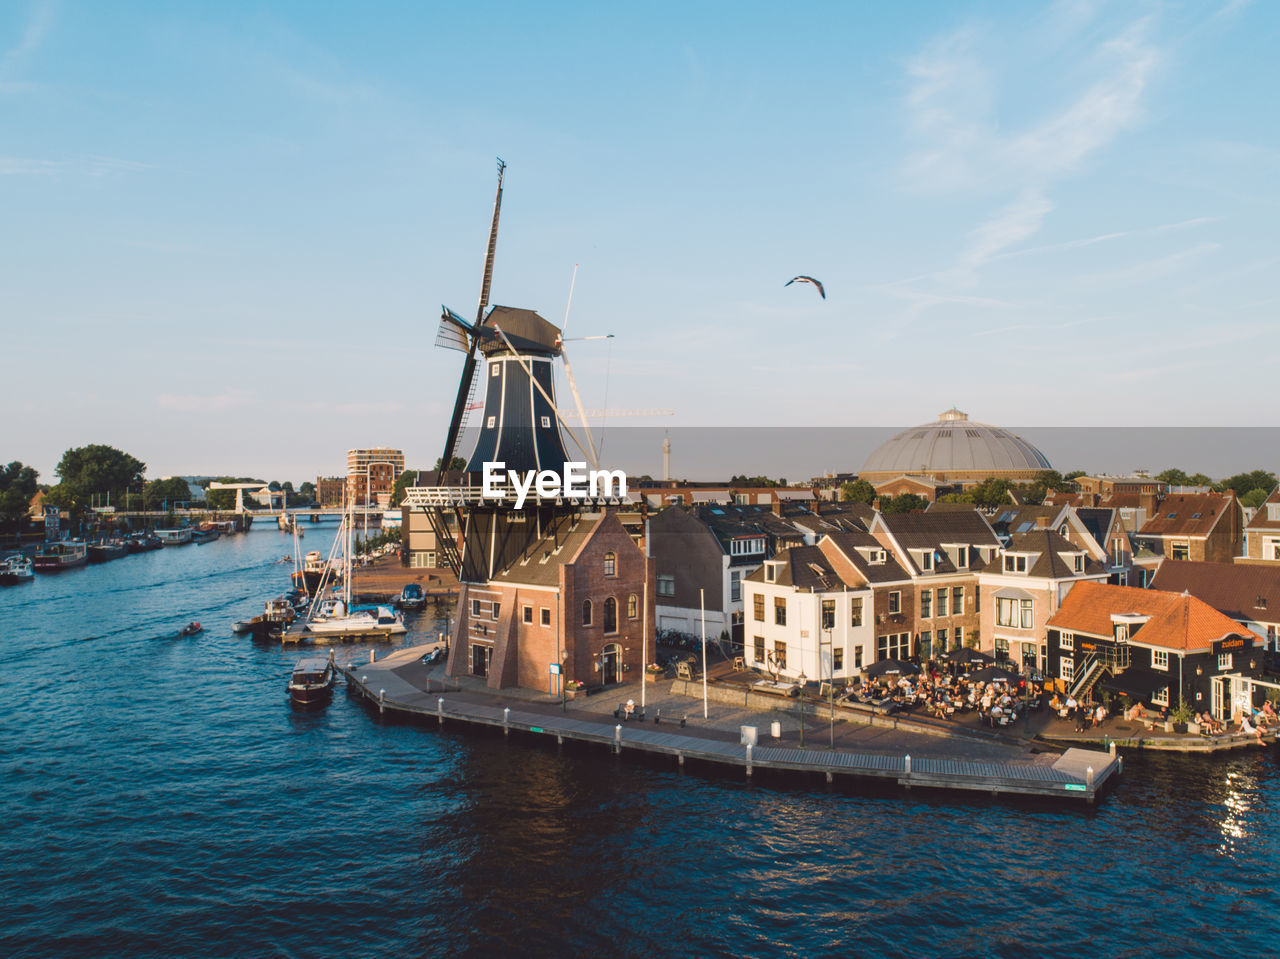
x=955 y=444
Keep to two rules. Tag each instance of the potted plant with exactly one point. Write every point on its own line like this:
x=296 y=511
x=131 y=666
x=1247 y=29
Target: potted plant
x=571 y=687
x=653 y=669
x=1179 y=719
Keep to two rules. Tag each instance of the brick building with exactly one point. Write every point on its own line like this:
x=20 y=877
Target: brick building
x=372 y=474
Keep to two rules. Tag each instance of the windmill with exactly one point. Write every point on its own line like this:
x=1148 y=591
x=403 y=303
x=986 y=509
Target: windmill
x=521 y=426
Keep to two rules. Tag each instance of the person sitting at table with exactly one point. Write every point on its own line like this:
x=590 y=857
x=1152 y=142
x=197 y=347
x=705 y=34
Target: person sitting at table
x=1099 y=714
x=1056 y=703
x=1212 y=725
x=1268 y=714
x=1136 y=711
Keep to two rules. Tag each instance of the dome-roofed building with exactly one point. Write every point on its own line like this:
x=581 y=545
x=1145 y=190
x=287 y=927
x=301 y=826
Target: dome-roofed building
x=955 y=450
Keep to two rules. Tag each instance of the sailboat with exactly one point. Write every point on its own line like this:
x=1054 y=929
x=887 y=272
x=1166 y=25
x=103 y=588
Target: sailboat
x=335 y=619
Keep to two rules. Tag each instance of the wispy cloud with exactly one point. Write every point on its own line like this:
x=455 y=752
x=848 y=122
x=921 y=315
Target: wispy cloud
x=94 y=166
x=39 y=23
x=1106 y=237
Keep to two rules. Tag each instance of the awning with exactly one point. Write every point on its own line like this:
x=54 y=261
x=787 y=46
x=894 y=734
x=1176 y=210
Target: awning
x=1012 y=592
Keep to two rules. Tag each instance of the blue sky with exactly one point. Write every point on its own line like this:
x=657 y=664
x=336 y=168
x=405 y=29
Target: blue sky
x=229 y=227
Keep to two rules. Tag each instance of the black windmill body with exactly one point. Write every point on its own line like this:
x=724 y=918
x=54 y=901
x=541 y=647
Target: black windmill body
x=519 y=427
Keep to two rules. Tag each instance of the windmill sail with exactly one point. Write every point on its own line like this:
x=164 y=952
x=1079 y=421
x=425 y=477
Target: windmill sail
x=450 y=335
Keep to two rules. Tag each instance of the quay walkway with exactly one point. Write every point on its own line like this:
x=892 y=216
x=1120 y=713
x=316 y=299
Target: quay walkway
x=399 y=685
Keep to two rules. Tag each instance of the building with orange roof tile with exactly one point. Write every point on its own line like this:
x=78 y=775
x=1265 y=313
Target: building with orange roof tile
x=1161 y=647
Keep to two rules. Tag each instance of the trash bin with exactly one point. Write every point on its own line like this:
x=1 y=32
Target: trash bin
x=748 y=735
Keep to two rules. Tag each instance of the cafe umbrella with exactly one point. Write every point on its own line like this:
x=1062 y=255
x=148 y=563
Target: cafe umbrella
x=967 y=657
x=994 y=674
x=890 y=667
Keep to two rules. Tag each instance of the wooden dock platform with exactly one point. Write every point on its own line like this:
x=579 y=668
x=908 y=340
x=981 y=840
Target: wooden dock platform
x=1076 y=775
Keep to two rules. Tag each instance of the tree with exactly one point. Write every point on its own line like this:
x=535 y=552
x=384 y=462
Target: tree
x=13 y=504
x=19 y=477
x=159 y=492
x=1254 y=498
x=89 y=471
x=755 y=481
x=457 y=463
x=1173 y=477
x=904 y=503
x=1243 y=483
x=405 y=479
x=991 y=493
x=858 y=491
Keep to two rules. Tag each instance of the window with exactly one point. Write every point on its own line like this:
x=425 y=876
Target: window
x=735 y=586
x=855 y=608
x=1224 y=661
x=942 y=601
x=633 y=606
x=1159 y=659
x=586 y=612
x=1077 y=562
x=494 y=370
x=526 y=614
x=957 y=601
x=857 y=657
x=780 y=654
x=1275 y=549
x=962 y=557
x=959 y=637
x=491 y=422
x=546 y=616
x=611 y=563
x=770 y=571
x=926 y=645
x=926 y=560
x=1117 y=552
x=610 y=615
x=926 y=603
x=757 y=607
x=1067 y=641
x=757 y=648
x=780 y=610
x=1180 y=551
x=475 y=607
x=1161 y=696
x=837 y=659
x=546 y=422
x=1067 y=669
x=666 y=584
x=1002 y=650
x=497 y=608
x=942 y=639
x=893 y=646
x=1028 y=614
x=895 y=602
x=828 y=614
x=1006 y=611
x=1015 y=564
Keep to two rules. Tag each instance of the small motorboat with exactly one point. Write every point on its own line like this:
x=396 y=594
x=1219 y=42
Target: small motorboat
x=312 y=681
x=16 y=569
x=242 y=626
x=191 y=629
x=412 y=596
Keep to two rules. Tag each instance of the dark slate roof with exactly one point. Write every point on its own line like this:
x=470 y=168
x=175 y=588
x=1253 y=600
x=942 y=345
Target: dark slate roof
x=890 y=571
x=1188 y=514
x=804 y=567
x=1243 y=592
x=1049 y=563
x=924 y=530
x=527 y=331
x=1011 y=520
x=1097 y=521
x=541 y=564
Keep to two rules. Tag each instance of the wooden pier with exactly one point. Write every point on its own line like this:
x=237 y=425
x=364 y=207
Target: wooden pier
x=1077 y=775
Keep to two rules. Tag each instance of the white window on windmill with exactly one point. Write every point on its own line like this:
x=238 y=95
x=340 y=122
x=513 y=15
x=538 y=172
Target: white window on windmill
x=491 y=422
x=546 y=422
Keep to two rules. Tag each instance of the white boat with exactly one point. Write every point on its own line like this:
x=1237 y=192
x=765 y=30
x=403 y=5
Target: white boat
x=16 y=569
x=174 y=537
x=337 y=620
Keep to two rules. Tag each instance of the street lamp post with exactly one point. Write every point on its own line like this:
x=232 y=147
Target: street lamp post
x=801 y=680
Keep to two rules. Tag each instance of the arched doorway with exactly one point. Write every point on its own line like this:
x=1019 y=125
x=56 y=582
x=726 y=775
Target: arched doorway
x=611 y=664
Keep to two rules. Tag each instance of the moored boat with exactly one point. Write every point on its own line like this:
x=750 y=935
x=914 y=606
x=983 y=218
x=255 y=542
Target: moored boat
x=175 y=537
x=16 y=569
x=144 y=543
x=107 y=550
x=277 y=614
x=312 y=681
x=61 y=555
x=412 y=596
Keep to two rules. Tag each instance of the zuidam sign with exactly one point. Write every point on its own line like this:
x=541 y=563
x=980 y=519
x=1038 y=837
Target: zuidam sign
x=576 y=482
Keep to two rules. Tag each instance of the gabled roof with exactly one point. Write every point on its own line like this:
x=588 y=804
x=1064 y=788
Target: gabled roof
x=1242 y=592
x=1049 y=563
x=1010 y=520
x=1260 y=520
x=1178 y=621
x=804 y=567
x=1188 y=514
x=1098 y=522
x=934 y=531
x=846 y=546
x=540 y=565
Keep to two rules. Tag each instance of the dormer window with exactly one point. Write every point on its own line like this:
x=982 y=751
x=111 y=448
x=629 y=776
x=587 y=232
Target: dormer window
x=770 y=572
x=1077 y=562
x=1015 y=564
x=962 y=557
x=1122 y=632
x=1273 y=512
x=926 y=560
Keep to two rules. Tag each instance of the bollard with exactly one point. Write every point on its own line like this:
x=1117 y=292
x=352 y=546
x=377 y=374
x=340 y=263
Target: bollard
x=682 y=719
x=907 y=764
x=1088 y=778
x=559 y=740
x=440 y=709
x=657 y=716
x=830 y=778
x=1113 y=747
x=680 y=758
x=1120 y=765
x=617 y=738
x=506 y=721
x=749 y=751
x=373 y=653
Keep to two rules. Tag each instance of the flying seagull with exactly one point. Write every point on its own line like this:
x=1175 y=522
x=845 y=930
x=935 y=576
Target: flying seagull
x=807 y=279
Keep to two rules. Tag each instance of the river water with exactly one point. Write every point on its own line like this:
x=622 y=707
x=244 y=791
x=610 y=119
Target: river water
x=161 y=798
